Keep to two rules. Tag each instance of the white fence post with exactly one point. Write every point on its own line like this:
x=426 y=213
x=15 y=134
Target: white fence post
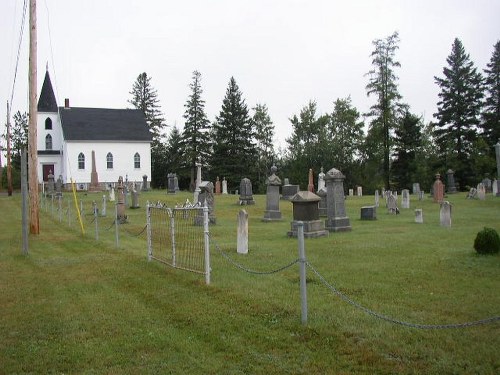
x=207 y=244
x=148 y=230
x=302 y=270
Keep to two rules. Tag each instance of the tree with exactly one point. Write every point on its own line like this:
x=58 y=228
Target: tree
x=234 y=152
x=458 y=113
x=345 y=136
x=407 y=155
x=175 y=156
x=491 y=111
x=196 y=136
x=19 y=137
x=145 y=98
x=264 y=133
x=383 y=84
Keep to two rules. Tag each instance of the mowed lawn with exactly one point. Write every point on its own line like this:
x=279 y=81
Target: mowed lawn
x=77 y=305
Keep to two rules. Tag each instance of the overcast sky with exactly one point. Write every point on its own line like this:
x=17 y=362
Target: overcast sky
x=282 y=53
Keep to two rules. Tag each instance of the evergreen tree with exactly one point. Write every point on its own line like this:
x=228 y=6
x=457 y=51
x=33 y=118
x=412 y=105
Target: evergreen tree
x=407 y=156
x=145 y=98
x=264 y=133
x=383 y=84
x=175 y=157
x=196 y=135
x=18 y=137
x=234 y=152
x=491 y=112
x=458 y=113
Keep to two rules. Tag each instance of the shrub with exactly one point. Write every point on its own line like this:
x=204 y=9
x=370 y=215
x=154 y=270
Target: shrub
x=487 y=241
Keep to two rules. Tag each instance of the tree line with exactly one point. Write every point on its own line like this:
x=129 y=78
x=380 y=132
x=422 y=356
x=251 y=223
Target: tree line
x=397 y=150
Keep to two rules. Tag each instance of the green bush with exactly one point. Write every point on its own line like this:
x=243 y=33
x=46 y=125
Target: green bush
x=487 y=241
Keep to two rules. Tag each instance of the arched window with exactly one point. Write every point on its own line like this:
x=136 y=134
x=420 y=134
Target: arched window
x=81 y=161
x=48 y=123
x=48 y=142
x=137 y=161
x=109 y=160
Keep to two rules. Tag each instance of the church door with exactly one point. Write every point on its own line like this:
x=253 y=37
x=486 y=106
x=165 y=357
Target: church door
x=47 y=169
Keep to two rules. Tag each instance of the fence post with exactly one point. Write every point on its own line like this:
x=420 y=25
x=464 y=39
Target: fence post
x=171 y=214
x=59 y=205
x=94 y=204
x=148 y=230
x=24 y=194
x=302 y=269
x=207 y=244
x=116 y=226
x=69 y=212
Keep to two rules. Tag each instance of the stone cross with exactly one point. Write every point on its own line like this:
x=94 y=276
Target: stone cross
x=242 y=237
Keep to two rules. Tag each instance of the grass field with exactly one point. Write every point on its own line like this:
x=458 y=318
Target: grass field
x=77 y=305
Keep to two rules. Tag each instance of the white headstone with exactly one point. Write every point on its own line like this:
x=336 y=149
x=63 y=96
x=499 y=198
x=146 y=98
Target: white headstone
x=360 y=191
x=321 y=180
x=242 y=239
x=405 y=198
x=419 y=216
x=481 y=191
x=445 y=214
x=494 y=187
x=351 y=192
x=377 y=198
x=112 y=195
x=224 y=186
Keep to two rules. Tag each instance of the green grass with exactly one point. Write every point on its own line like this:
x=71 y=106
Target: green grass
x=76 y=305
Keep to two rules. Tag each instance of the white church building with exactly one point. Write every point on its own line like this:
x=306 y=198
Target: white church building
x=67 y=136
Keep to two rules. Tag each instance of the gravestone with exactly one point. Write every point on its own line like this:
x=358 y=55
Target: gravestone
x=359 y=191
x=206 y=197
x=242 y=235
x=472 y=193
x=438 y=189
x=450 y=180
x=224 y=186
x=337 y=220
x=377 y=198
x=246 y=194
x=321 y=181
x=288 y=190
x=310 y=184
x=171 y=183
x=135 y=198
x=145 y=183
x=494 y=187
x=59 y=184
x=481 y=191
x=50 y=184
x=120 y=204
x=94 y=180
x=287 y=182
x=112 y=195
x=351 y=192
x=369 y=213
x=487 y=185
x=322 y=203
x=103 y=209
x=445 y=214
x=198 y=182
x=416 y=188
x=273 y=182
x=419 y=216
x=405 y=198
x=392 y=204
x=306 y=210
x=218 y=189
x=421 y=195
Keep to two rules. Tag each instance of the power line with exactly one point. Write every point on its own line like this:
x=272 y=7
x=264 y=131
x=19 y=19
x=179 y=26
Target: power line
x=25 y=6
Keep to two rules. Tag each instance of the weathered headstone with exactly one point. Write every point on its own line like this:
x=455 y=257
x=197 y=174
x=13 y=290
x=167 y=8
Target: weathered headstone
x=246 y=192
x=481 y=191
x=445 y=214
x=224 y=186
x=487 y=184
x=145 y=183
x=287 y=181
x=112 y=195
x=50 y=184
x=421 y=195
x=419 y=216
x=198 y=182
x=321 y=180
x=288 y=190
x=416 y=188
x=494 y=187
x=171 y=183
x=94 y=180
x=120 y=204
x=368 y=213
x=322 y=203
x=359 y=191
x=438 y=189
x=103 y=209
x=242 y=235
x=337 y=219
x=135 y=198
x=272 y=212
x=306 y=210
x=59 y=184
x=472 y=193
x=206 y=197
x=377 y=198
x=392 y=204
x=451 y=181
x=218 y=189
x=405 y=198
x=351 y=192
x=310 y=184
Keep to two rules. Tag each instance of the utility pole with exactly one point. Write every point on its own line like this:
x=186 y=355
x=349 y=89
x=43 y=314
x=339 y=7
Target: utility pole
x=32 y=127
x=9 y=154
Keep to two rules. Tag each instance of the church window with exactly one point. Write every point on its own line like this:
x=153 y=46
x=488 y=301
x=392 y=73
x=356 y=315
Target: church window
x=48 y=142
x=81 y=161
x=48 y=123
x=137 y=161
x=109 y=160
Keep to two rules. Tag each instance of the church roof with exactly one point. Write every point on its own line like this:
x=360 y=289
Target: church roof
x=100 y=124
x=47 y=101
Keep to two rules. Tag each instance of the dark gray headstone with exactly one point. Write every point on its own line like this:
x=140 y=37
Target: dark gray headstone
x=306 y=210
x=337 y=219
x=369 y=213
x=273 y=182
x=246 y=193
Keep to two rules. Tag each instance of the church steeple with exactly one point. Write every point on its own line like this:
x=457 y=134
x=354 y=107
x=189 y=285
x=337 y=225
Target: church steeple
x=47 y=101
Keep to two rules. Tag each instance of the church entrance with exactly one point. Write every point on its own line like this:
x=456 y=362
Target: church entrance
x=47 y=169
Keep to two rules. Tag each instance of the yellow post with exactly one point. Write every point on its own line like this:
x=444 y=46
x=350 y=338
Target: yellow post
x=77 y=208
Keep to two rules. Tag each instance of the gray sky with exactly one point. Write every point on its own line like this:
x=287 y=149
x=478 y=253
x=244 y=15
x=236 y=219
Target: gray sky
x=282 y=53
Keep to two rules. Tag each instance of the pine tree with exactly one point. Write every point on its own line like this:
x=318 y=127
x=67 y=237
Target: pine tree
x=234 y=152
x=145 y=98
x=491 y=112
x=196 y=136
x=383 y=84
x=458 y=113
x=264 y=133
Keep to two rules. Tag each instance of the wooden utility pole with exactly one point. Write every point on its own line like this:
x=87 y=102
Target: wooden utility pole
x=32 y=128
x=9 y=154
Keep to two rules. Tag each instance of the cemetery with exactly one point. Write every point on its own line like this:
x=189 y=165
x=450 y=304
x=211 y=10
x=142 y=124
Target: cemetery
x=417 y=267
